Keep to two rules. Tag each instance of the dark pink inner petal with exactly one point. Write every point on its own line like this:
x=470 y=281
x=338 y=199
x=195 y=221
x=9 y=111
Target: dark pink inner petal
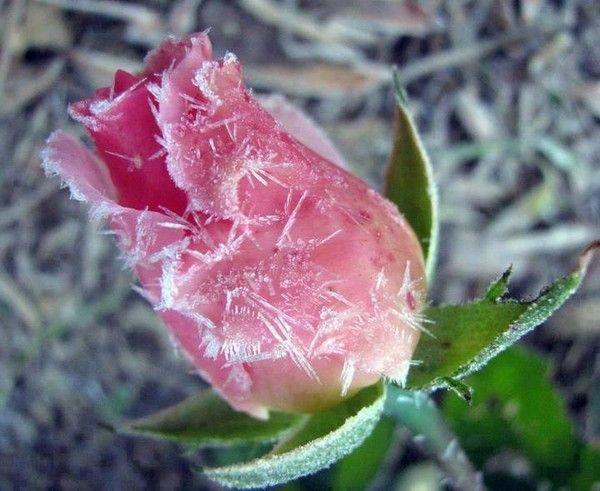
x=123 y=81
x=126 y=136
x=121 y=122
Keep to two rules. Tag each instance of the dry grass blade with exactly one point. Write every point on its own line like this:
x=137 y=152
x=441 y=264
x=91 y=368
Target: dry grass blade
x=26 y=204
x=303 y=24
x=20 y=304
x=468 y=54
x=25 y=92
x=316 y=80
x=388 y=18
x=589 y=94
x=127 y=12
x=99 y=67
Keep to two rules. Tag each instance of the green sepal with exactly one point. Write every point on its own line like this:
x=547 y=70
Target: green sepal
x=409 y=183
x=205 y=419
x=322 y=439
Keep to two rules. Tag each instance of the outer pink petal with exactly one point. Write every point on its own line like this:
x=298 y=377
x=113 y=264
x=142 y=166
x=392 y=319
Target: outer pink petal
x=151 y=243
x=302 y=127
x=88 y=180
x=86 y=175
x=230 y=381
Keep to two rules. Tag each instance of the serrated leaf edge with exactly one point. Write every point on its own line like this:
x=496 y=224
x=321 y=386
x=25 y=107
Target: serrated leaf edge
x=523 y=324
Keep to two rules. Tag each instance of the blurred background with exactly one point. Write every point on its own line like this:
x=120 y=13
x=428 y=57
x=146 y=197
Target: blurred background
x=506 y=94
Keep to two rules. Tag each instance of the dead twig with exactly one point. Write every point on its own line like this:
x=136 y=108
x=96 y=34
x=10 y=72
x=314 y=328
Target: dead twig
x=22 y=306
x=132 y=13
x=15 y=12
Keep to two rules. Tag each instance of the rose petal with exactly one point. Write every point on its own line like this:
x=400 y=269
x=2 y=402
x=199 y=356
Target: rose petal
x=127 y=139
x=172 y=51
x=302 y=127
x=86 y=175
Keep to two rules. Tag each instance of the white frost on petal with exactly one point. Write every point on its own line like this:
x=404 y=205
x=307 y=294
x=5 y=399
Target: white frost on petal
x=142 y=242
x=332 y=322
x=400 y=373
x=205 y=83
x=320 y=242
x=348 y=371
x=171 y=252
x=285 y=232
x=135 y=162
x=145 y=294
x=211 y=344
x=282 y=333
x=244 y=352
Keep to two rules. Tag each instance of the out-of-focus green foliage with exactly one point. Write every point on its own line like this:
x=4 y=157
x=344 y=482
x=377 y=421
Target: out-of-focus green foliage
x=419 y=477
x=517 y=415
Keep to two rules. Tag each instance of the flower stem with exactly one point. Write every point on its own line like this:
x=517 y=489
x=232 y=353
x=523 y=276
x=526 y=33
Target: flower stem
x=417 y=412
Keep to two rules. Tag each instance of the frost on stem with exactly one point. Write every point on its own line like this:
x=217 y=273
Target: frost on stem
x=280 y=275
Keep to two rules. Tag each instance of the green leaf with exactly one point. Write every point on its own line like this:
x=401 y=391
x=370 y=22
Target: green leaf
x=321 y=440
x=465 y=337
x=409 y=183
x=207 y=420
x=357 y=470
x=586 y=475
x=517 y=410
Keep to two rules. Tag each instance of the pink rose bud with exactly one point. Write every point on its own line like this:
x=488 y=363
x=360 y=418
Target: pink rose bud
x=287 y=281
